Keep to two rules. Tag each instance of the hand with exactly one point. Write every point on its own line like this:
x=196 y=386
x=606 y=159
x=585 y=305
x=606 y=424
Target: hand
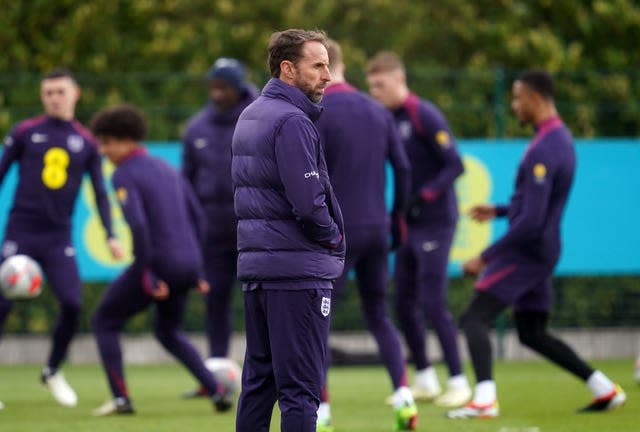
x=482 y=212
x=161 y=290
x=399 y=230
x=116 y=249
x=474 y=266
x=203 y=286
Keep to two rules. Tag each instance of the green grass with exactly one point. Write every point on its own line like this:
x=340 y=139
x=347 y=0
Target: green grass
x=534 y=394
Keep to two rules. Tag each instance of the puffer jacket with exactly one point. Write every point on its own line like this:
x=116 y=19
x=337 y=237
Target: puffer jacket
x=290 y=226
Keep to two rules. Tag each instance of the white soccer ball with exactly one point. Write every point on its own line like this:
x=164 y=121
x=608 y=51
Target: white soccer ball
x=226 y=371
x=20 y=277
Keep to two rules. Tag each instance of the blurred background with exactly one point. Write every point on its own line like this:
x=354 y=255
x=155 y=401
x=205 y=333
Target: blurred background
x=461 y=54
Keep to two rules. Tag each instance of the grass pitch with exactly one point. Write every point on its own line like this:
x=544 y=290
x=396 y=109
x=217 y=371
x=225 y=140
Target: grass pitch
x=534 y=397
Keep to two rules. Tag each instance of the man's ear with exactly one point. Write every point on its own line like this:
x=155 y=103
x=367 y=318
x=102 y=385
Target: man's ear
x=287 y=70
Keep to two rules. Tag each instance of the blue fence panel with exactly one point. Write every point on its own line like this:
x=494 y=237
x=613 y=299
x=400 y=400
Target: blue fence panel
x=600 y=230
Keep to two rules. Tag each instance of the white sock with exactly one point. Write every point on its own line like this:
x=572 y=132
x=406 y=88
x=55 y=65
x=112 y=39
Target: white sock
x=599 y=384
x=427 y=379
x=458 y=382
x=324 y=411
x=401 y=397
x=485 y=393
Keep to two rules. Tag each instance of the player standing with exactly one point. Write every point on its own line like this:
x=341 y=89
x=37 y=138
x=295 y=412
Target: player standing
x=421 y=264
x=359 y=136
x=53 y=151
x=166 y=222
x=290 y=237
x=517 y=269
x=206 y=164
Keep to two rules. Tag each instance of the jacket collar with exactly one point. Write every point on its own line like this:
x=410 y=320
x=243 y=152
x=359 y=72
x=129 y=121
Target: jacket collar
x=278 y=89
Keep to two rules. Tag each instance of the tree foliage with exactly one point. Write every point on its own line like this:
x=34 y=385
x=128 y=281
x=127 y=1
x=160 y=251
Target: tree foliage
x=462 y=54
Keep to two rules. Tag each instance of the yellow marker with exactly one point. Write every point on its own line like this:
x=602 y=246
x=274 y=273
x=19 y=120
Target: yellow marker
x=472 y=188
x=539 y=171
x=442 y=138
x=121 y=193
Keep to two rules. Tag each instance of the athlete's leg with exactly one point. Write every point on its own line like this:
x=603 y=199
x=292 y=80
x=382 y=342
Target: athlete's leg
x=407 y=311
x=168 y=319
x=60 y=268
x=432 y=257
x=475 y=322
x=298 y=327
x=124 y=298
x=258 y=394
x=221 y=274
x=532 y=332
x=372 y=277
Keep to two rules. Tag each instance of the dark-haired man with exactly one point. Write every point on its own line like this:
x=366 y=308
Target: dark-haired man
x=516 y=270
x=166 y=222
x=206 y=163
x=359 y=136
x=54 y=152
x=290 y=237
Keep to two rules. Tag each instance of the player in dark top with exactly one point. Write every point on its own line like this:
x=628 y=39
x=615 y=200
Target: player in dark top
x=517 y=269
x=54 y=152
x=206 y=163
x=421 y=263
x=359 y=135
x=166 y=222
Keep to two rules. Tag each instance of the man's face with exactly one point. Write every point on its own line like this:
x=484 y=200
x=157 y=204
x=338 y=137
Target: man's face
x=59 y=97
x=311 y=71
x=386 y=86
x=523 y=102
x=114 y=149
x=223 y=95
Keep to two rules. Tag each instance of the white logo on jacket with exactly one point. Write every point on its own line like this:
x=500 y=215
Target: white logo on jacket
x=429 y=246
x=325 y=306
x=311 y=174
x=9 y=248
x=38 y=138
x=200 y=143
x=75 y=143
x=405 y=129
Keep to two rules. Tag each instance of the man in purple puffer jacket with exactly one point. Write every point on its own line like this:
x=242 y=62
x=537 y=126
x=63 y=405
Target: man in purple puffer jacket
x=206 y=164
x=290 y=237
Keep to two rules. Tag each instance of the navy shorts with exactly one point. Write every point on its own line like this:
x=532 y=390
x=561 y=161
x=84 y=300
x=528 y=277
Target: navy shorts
x=524 y=284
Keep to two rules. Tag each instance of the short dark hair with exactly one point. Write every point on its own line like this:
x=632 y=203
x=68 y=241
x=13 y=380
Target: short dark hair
x=287 y=45
x=335 y=53
x=61 y=72
x=384 y=61
x=121 y=121
x=539 y=81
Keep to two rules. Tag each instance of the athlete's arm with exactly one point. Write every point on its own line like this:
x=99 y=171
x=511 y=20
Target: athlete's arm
x=97 y=182
x=133 y=210
x=529 y=222
x=11 y=152
x=438 y=135
x=296 y=150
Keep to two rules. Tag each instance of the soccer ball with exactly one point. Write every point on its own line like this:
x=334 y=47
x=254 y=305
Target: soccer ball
x=226 y=371
x=20 y=277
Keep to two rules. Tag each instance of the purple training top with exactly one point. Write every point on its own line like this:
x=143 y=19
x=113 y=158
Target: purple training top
x=359 y=136
x=435 y=162
x=542 y=187
x=163 y=214
x=53 y=156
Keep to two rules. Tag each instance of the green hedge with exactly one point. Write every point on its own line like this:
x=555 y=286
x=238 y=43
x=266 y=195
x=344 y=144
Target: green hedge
x=602 y=301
